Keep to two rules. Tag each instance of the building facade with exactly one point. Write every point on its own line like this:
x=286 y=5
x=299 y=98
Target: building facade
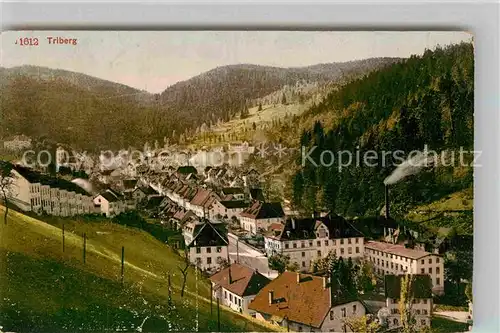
x=388 y=258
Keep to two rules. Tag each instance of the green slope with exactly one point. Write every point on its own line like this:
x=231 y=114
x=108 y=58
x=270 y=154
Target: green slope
x=44 y=289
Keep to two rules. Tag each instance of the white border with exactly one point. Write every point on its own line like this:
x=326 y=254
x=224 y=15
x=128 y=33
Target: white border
x=482 y=19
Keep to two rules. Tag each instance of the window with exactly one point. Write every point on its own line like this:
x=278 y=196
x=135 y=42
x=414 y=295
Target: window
x=333 y=241
x=348 y=241
x=198 y=250
x=286 y=245
x=231 y=297
x=303 y=264
x=430 y=270
x=239 y=301
x=310 y=243
x=342 y=251
x=341 y=241
x=319 y=253
x=209 y=250
x=198 y=261
x=294 y=245
x=357 y=249
x=300 y=328
x=438 y=281
x=219 y=249
x=424 y=312
x=430 y=260
x=326 y=242
x=357 y=240
x=418 y=311
x=209 y=260
x=343 y=313
x=349 y=250
x=422 y=271
x=395 y=322
x=437 y=260
x=354 y=309
x=331 y=314
x=423 y=322
x=302 y=244
x=423 y=261
x=303 y=254
x=392 y=265
x=438 y=270
x=318 y=243
x=425 y=301
x=225 y=294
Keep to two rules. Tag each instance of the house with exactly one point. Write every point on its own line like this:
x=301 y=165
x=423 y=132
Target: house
x=421 y=292
x=233 y=193
x=228 y=209
x=180 y=218
x=209 y=246
x=17 y=143
x=137 y=195
x=154 y=205
x=388 y=258
x=260 y=215
x=37 y=192
x=305 y=303
x=236 y=286
x=110 y=203
x=306 y=240
x=202 y=201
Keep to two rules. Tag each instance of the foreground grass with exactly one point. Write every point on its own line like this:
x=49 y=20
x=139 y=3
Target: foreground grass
x=47 y=290
x=442 y=325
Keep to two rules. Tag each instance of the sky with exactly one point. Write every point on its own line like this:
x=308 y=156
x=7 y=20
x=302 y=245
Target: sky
x=154 y=60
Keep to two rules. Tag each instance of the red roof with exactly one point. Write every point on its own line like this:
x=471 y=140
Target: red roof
x=244 y=280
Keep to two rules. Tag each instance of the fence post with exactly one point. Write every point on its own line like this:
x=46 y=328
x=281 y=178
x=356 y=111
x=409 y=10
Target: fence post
x=218 y=316
x=211 y=299
x=63 y=236
x=123 y=262
x=84 y=246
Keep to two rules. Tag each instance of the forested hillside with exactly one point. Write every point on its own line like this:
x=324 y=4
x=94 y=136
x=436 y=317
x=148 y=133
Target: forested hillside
x=91 y=113
x=424 y=100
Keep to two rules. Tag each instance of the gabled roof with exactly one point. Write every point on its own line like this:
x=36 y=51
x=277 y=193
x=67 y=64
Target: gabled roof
x=397 y=249
x=231 y=204
x=244 y=281
x=129 y=184
x=154 y=202
x=421 y=286
x=210 y=234
x=263 y=210
x=232 y=190
x=306 y=301
x=306 y=228
x=43 y=179
x=257 y=194
x=186 y=169
x=109 y=196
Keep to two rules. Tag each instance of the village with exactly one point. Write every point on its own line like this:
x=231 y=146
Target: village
x=263 y=258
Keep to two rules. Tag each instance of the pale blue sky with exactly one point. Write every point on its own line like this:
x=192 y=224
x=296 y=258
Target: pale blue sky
x=155 y=60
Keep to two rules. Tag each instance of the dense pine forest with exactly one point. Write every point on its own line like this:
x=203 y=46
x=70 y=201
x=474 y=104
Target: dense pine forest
x=424 y=100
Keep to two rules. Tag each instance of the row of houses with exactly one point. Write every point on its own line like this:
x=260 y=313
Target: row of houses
x=308 y=303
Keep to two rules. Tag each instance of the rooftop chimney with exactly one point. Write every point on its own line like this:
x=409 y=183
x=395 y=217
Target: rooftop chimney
x=387 y=208
x=271 y=296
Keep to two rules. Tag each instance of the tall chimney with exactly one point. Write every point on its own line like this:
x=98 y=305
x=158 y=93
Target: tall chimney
x=271 y=296
x=387 y=208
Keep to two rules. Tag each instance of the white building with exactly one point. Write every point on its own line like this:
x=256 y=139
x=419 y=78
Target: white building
x=305 y=303
x=388 y=258
x=236 y=286
x=228 y=209
x=233 y=193
x=110 y=203
x=260 y=215
x=33 y=191
x=309 y=239
x=209 y=246
x=421 y=306
x=202 y=202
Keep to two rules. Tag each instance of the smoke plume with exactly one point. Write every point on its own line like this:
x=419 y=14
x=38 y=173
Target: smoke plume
x=409 y=167
x=85 y=184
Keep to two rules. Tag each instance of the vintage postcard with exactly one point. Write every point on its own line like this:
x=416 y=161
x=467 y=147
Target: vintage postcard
x=218 y=181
